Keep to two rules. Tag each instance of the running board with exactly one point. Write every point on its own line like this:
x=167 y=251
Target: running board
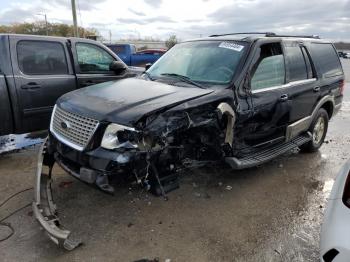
x=266 y=155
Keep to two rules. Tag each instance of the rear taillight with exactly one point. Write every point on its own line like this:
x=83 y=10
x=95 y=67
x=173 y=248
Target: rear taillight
x=346 y=193
x=342 y=86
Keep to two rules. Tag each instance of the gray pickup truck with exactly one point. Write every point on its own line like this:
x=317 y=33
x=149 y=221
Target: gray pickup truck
x=36 y=70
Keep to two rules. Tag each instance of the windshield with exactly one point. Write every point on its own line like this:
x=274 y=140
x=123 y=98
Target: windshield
x=213 y=62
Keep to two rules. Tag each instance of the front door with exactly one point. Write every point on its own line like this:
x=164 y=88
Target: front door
x=42 y=72
x=92 y=62
x=269 y=105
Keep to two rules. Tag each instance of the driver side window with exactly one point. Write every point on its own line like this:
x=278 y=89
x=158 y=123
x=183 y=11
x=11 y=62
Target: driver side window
x=92 y=58
x=269 y=70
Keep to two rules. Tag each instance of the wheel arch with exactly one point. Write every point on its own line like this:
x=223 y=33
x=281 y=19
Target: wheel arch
x=329 y=107
x=327 y=103
x=302 y=125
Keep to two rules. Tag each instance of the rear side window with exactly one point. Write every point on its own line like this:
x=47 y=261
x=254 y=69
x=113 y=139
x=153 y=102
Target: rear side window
x=41 y=58
x=118 y=49
x=296 y=63
x=132 y=49
x=325 y=59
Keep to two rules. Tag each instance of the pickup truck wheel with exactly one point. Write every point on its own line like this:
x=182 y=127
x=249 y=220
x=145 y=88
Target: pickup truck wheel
x=318 y=129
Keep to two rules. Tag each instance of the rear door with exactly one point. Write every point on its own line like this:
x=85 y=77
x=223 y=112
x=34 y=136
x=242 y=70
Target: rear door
x=92 y=61
x=302 y=88
x=6 y=126
x=42 y=72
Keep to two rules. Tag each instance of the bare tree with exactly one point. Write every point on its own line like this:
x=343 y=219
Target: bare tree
x=172 y=40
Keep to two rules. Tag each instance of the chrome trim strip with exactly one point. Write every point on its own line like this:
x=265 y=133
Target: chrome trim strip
x=290 y=84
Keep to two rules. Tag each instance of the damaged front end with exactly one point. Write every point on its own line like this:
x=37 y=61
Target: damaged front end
x=150 y=153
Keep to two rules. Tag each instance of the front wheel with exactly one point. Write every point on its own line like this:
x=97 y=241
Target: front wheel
x=318 y=129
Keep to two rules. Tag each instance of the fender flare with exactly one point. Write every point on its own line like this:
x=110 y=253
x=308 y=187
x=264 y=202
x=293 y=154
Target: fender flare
x=226 y=109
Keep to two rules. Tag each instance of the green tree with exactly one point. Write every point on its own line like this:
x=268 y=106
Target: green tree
x=39 y=28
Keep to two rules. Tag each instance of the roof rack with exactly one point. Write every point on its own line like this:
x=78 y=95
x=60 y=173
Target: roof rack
x=247 y=33
x=300 y=36
x=268 y=34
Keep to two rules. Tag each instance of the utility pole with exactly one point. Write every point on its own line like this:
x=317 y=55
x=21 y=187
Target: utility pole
x=46 y=25
x=75 y=24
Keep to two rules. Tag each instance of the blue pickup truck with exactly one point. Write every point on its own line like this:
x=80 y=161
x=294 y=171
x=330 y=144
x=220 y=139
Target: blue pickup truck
x=129 y=55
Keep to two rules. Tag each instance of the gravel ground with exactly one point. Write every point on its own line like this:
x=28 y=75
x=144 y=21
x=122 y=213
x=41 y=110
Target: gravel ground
x=269 y=213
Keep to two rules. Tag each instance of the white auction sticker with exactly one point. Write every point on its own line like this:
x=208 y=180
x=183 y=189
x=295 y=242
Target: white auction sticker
x=232 y=46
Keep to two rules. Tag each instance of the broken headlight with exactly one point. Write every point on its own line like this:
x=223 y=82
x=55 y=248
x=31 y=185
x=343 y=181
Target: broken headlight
x=119 y=136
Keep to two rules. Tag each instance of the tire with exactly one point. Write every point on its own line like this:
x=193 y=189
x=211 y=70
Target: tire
x=318 y=129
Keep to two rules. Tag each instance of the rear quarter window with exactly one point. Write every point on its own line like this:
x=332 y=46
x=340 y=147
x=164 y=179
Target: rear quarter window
x=325 y=59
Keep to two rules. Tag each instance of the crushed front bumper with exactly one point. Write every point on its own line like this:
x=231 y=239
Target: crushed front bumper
x=44 y=208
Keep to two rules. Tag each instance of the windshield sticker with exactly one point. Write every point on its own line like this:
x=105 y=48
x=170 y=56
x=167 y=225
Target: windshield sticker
x=231 y=46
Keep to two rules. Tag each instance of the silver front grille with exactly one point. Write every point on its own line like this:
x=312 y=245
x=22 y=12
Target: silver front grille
x=72 y=129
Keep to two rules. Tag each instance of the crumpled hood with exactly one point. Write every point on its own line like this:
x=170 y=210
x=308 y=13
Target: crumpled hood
x=126 y=101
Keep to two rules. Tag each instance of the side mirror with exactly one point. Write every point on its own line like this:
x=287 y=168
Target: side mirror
x=147 y=66
x=117 y=67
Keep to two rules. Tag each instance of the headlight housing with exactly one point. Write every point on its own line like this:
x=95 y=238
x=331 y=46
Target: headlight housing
x=119 y=136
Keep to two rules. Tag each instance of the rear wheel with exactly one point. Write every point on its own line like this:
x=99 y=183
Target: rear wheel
x=318 y=129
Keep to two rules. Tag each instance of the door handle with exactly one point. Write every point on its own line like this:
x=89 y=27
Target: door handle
x=31 y=85
x=317 y=89
x=284 y=97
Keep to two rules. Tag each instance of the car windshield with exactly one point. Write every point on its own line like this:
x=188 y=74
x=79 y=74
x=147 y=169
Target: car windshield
x=212 y=62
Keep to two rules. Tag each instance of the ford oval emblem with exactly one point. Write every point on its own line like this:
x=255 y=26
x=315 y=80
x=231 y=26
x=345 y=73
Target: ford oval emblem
x=65 y=125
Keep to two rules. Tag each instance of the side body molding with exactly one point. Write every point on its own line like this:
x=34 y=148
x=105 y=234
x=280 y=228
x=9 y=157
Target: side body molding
x=303 y=124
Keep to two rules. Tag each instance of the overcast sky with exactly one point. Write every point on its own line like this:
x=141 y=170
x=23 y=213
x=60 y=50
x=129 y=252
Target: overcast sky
x=190 y=18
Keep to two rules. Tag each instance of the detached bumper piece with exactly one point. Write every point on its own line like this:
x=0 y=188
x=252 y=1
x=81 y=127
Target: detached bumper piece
x=43 y=206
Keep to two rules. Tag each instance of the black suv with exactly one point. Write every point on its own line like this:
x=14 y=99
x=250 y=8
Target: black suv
x=240 y=98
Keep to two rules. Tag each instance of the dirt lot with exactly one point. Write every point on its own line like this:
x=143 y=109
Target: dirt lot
x=269 y=213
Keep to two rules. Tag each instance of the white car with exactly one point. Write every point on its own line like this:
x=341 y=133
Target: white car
x=335 y=232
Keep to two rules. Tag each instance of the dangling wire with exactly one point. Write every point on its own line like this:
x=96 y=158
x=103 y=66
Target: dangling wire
x=8 y=225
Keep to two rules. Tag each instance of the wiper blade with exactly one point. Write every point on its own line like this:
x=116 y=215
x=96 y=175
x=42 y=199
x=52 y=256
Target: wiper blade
x=148 y=75
x=185 y=79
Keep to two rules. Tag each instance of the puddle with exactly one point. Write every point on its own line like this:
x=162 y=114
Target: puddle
x=11 y=142
x=299 y=239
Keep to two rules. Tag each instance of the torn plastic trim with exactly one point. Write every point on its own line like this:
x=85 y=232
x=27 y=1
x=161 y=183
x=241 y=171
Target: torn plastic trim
x=226 y=109
x=44 y=208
